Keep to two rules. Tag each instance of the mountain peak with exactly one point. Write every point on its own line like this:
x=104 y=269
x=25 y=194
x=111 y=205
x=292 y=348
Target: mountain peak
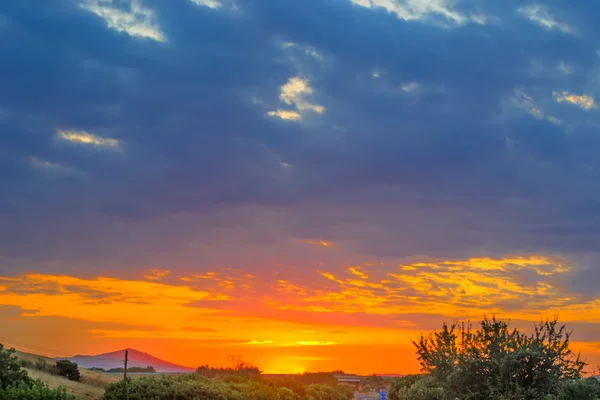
x=136 y=358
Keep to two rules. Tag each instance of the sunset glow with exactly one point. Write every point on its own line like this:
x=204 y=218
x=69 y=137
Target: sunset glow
x=304 y=186
x=257 y=317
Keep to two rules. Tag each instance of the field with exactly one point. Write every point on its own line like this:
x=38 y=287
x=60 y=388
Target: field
x=91 y=386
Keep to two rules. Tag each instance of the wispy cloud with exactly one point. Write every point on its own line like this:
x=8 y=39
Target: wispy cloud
x=308 y=50
x=294 y=93
x=53 y=167
x=285 y=115
x=258 y=342
x=540 y=15
x=583 y=101
x=208 y=3
x=322 y=243
x=156 y=274
x=421 y=10
x=134 y=18
x=315 y=343
x=86 y=138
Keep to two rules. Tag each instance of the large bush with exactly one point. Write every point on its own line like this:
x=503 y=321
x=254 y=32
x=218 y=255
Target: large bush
x=35 y=390
x=581 y=389
x=68 y=369
x=417 y=387
x=10 y=369
x=495 y=362
x=15 y=384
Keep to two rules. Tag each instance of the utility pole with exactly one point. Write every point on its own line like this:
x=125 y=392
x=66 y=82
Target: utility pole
x=125 y=376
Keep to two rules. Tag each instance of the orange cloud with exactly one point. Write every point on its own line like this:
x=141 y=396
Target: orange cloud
x=322 y=243
x=156 y=274
x=345 y=309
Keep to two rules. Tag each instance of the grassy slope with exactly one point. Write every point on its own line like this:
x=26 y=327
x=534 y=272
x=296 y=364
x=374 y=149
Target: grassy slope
x=91 y=386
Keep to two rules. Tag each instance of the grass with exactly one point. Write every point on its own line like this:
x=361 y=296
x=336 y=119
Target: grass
x=91 y=386
x=79 y=389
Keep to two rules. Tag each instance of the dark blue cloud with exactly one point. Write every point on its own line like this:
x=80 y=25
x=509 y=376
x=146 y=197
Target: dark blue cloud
x=455 y=147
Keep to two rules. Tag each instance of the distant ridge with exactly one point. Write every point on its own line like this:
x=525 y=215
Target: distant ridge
x=136 y=359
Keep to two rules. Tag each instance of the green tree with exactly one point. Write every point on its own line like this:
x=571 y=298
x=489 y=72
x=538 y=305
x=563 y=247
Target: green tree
x=495 y=362
x=10 y=369
x=68 y=369
x=15 y=384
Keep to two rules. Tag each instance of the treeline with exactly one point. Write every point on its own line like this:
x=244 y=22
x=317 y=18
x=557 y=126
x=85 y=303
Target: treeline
x=300 y=383
x=232 y=387
x=497 y=363
x=374 y=383
x=148 y=369
x=241 y=369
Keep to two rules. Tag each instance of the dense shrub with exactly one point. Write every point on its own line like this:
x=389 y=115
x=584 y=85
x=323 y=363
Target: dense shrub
x=328 y=392
x=15 y=384
x=582 y=389
x=195 y=387
x=40 y=364
x=416 y=387
x=35 y=390
x=299 y=383
x=10 y=369
x=497 y=363
x=68 y=369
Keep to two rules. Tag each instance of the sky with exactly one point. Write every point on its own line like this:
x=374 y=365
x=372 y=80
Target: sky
x=308 y=185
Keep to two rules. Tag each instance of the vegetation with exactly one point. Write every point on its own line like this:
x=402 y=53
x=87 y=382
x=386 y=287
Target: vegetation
x=300 y=383
x=40 y=364
x=240 y=369
x=15 y=384
x=495 y=362
x=68 y=369
x=148 y=369
x=374 y=383
x=196 y=387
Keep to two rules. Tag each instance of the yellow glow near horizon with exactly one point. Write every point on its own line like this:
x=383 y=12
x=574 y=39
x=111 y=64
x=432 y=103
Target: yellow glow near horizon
x=315 y=324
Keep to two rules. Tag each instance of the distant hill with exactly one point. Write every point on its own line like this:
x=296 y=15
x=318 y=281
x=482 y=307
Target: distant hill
x=136 y=359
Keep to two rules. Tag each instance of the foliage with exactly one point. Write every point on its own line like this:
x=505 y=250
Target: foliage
x=493 y=362
x=68 y=369
x=35 y=390
x=328 y=392
x=374 y=383
x=298 y=383
x=582 y=389
x=196 y=387
x=418 y=387
x=15 y=384
x=10 y=369
x=147 y=369
x=240 y=369
x=40 y=364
